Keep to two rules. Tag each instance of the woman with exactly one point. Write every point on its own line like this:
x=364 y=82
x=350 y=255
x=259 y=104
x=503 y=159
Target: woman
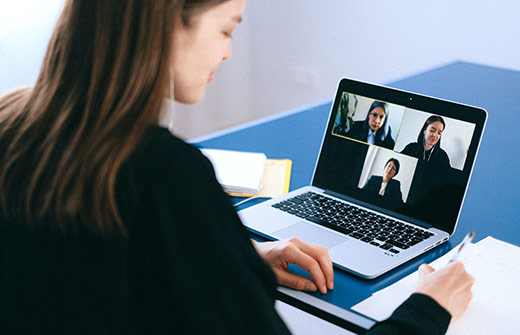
x=110 y=224
x=375 y=128
x=428 y=145
x=387 y=188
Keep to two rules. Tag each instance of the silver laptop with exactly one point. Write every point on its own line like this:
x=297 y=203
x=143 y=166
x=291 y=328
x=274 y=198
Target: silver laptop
x=389 y=182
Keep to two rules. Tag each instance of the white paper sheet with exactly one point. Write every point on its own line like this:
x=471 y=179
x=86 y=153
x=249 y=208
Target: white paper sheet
x=238 y=172
x=495 y=307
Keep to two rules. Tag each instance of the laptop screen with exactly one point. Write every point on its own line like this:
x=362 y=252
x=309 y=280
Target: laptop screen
x=401 y=153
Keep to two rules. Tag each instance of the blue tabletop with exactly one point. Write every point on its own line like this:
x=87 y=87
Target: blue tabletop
x=490 y=207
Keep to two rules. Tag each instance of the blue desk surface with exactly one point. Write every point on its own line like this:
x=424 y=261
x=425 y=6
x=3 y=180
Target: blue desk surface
x=491 y=205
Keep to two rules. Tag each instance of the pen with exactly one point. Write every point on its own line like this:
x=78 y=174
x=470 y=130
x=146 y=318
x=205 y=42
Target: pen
x=467 y=240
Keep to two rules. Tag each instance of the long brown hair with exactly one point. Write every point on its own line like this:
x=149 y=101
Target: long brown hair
x=100 y=87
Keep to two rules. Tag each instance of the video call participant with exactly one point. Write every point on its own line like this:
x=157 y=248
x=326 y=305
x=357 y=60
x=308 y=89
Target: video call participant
x=428 y=145
x=385 y=187
x=375 y=128
x=112 y=225
x=342 y=118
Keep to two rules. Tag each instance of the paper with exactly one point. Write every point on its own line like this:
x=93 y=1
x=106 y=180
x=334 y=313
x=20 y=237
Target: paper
x=495 y=306
x=238 y=172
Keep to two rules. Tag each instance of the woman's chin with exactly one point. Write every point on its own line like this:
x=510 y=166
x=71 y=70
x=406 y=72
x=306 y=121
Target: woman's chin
x=192 y=98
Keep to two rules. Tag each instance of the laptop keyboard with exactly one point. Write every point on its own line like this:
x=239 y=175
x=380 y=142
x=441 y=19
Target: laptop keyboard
x=366 y=226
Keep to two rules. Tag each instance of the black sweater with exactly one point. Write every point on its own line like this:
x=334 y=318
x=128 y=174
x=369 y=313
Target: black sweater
x=186 y=266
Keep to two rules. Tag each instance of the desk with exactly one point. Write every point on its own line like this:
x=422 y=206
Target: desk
x=491 y=205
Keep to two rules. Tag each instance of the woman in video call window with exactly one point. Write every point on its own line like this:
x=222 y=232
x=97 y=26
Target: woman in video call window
x=375 y=128
x=428 y=145
x=385 y=186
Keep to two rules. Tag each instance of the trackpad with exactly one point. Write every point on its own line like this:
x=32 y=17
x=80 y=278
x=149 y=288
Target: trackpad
x=311 y=234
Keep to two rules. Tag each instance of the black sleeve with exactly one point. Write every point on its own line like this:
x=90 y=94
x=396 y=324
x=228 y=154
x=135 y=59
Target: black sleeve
x=398 y=193
x=388 y=142
x=410 y=150
x=357 y=131
x=419 y=314
x=371 y=184
x=203 y=274
x=445 y=159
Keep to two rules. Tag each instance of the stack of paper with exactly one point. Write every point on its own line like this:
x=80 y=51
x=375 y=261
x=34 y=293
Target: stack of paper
x=245 y=174
x=494 y=308
x=238 y=172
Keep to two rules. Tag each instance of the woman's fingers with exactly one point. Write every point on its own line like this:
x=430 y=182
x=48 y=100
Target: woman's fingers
x=310 y=257
x=450 y=286
x=293 y=254
x=425 y=269
x=294 y=281
x=321 y=256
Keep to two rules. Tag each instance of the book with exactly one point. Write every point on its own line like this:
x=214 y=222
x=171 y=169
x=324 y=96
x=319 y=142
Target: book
x=246 y=174
x=237 y=172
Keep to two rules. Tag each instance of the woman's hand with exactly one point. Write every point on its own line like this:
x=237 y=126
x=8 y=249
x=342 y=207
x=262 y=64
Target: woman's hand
x=313 y=258
x=449 y=286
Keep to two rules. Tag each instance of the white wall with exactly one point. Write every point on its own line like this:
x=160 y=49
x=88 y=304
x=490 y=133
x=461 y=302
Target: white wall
x=25 y=29
x=292 y=52
x=314 y=43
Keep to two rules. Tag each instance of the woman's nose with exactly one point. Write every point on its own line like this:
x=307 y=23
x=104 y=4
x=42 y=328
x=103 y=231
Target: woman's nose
x=227 y=51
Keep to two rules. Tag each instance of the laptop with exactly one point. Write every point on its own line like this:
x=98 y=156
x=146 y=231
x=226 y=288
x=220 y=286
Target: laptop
x=389 y=182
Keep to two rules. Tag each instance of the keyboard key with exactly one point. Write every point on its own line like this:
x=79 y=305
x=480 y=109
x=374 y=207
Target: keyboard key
x=415 y=240
x=357 y=235
x=315 y=219
x=397 y=244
